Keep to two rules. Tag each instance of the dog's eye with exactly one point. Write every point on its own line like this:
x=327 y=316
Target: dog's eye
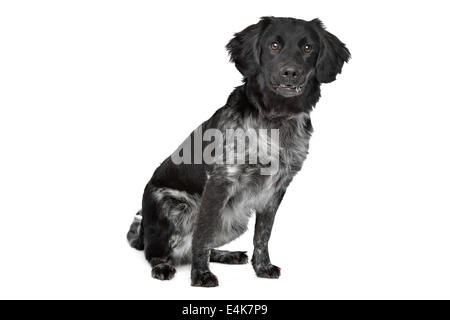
x=275 y=46
x=307 y=48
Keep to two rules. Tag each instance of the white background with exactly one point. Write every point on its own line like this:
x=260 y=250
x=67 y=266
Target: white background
x=95 y=94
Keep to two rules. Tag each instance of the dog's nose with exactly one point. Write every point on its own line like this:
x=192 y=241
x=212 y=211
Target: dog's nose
x=290 y=72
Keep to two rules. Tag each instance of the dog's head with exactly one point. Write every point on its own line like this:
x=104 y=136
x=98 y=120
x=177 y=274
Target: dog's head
x=287 y=55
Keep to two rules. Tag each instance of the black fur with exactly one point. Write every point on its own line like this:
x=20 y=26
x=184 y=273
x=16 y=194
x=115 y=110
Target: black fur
x=190 y=209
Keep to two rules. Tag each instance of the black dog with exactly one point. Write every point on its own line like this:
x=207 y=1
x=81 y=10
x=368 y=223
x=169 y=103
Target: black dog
x=193 y=206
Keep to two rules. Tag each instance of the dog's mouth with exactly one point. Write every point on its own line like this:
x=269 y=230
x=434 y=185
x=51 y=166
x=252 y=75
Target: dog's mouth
x=288 y=90
x=291 y=90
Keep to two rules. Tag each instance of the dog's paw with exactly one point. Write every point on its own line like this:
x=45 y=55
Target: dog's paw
x=163 y=271
x=237 y=257
x=204 y=279
x=268 y=271
x=230 y=257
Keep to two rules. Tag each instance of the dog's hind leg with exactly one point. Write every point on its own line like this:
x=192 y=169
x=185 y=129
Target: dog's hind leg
x=228 y=257
x=157 y=253
x=157 y=231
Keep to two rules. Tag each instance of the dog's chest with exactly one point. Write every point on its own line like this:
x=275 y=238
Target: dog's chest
x=248 y=197
x=253 y=191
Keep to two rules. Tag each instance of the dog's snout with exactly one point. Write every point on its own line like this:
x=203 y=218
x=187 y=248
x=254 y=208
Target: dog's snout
x=290 y=72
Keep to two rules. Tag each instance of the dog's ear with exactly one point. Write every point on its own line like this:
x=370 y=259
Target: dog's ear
x=244 y=48
x=333 y=53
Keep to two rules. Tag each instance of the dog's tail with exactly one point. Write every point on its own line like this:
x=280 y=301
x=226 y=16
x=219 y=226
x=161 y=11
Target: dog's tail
x=135 y=235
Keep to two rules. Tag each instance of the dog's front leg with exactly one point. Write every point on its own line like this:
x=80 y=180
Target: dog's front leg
x=263 y=228
x=214 y=199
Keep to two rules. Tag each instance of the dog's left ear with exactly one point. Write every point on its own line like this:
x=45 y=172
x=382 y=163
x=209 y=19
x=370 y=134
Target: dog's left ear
x=244 y=48
x=333 y=53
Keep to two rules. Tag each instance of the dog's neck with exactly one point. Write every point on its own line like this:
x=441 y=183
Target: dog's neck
x=273 y=106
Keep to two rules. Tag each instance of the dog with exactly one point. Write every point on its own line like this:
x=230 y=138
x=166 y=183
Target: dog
x=193 y=206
